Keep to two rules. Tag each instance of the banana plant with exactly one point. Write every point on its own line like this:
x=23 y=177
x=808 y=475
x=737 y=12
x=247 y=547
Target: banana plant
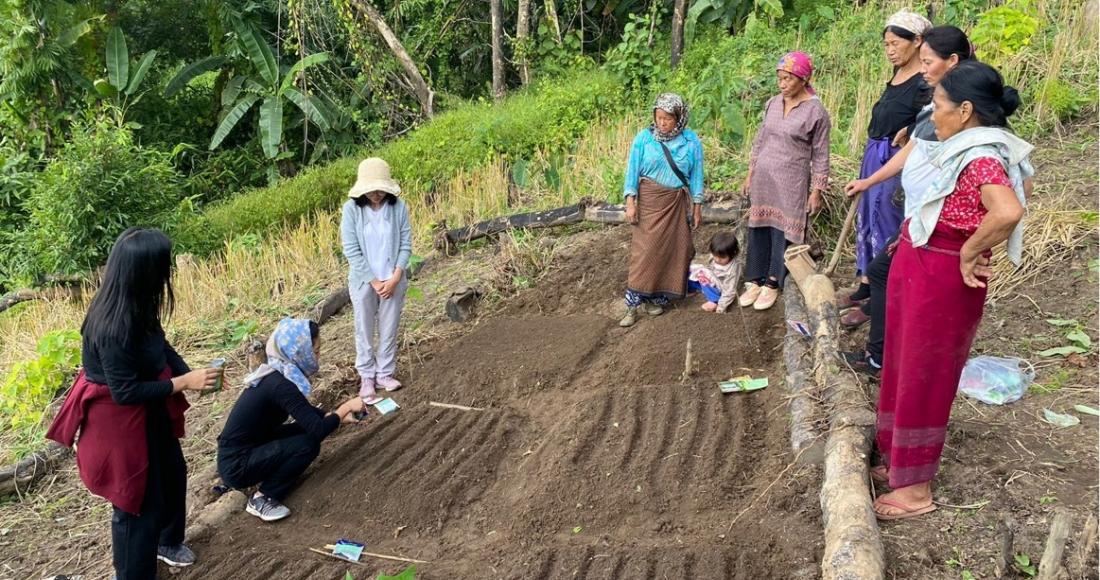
x=120 y=86
x=267 y=84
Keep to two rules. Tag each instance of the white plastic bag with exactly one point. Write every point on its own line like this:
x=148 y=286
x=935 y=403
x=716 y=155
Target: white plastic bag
x=996 y=380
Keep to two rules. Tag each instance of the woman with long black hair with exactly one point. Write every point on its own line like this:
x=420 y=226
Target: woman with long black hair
x=127 y=405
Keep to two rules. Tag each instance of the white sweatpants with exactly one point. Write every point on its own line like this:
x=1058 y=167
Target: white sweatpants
x=372 y=311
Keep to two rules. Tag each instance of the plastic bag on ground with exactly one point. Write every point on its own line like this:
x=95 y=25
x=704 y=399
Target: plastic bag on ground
x=996 y=380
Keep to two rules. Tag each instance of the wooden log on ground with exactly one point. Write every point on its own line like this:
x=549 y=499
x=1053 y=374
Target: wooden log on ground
x=806 y=416
x=17 y=478
x=330 y=305
x=215 y=514
x=853 y=546
x=17 y=297
x=572 y=214
x=462 y=303
x=1086 y=544
x=713 y=213
x=1051 y=562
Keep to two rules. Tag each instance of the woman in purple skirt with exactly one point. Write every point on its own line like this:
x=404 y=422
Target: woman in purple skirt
x=879 y=213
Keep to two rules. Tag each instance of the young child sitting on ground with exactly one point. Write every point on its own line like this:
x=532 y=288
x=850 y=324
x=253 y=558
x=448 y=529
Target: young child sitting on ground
x=718 y=281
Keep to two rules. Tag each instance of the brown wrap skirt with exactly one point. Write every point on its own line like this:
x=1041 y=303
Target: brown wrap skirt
x=661 y=248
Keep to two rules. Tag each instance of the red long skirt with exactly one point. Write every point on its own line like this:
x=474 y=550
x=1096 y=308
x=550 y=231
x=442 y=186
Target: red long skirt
x=931 y=320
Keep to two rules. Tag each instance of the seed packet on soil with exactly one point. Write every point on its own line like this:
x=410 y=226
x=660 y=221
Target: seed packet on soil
x=386 y=406
x=348 y=550
x=743 y=384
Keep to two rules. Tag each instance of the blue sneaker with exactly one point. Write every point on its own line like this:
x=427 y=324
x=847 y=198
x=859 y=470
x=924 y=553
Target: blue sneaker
x=176 y=556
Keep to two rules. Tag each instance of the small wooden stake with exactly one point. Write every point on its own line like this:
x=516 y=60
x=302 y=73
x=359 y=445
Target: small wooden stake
x=687 y=363
x=450 y=406
x=1056 y=544
x=1007 y=537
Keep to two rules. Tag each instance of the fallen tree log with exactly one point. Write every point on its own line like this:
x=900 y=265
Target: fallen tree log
x=17 y=297
x=571 y=214
x=853 y=546
x=713 y=213
x=19 y=477
x=806 y=416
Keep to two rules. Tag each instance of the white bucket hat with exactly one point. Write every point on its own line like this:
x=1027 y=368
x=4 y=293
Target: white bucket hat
x=374 y=175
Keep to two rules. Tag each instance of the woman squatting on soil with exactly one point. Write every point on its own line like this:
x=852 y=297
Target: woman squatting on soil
x=788 y=171
x=880 y=209
x=128 y=404
x=937 y=285
x=377 y=240
x=664 y=169
x=256 y=445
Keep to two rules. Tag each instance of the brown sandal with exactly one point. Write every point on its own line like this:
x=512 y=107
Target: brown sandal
x=907 y=511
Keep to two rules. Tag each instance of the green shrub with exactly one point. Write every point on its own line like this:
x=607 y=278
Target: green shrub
x=550 y=116
x=32 y=384
x=99 y=184
x=1003 y=31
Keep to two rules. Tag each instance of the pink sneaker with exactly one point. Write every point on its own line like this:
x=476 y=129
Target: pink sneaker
x=389 y=383
x=366 y=389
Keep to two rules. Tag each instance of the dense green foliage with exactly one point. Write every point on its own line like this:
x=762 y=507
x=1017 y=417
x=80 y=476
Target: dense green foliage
x=98 y=185
x=215 y=98
x=551 y=116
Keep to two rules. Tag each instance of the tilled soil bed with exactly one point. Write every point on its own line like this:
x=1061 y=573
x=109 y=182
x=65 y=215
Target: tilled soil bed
x=591 y=457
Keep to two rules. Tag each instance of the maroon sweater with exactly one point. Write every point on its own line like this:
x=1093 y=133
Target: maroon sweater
x=112 y=453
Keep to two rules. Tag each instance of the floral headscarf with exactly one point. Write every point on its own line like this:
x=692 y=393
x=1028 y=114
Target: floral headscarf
x=674 y=105
x=910 y=21
x=289 y=351
x=798 y=64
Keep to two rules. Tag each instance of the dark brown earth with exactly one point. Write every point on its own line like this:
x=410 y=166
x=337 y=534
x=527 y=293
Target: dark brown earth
x=589 y=460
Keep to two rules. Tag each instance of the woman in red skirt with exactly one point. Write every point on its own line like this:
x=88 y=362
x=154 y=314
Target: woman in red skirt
x=937 y=285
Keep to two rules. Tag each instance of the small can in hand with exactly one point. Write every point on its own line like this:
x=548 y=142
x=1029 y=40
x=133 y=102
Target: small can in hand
x=218 y=363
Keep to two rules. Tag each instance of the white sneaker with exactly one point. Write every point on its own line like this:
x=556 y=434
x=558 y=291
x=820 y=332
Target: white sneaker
x=766 y=298
x=748 y=297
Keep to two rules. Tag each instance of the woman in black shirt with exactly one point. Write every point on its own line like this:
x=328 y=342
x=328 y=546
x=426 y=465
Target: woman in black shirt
x=131 y=387
x=879 y=215
x=256 y=445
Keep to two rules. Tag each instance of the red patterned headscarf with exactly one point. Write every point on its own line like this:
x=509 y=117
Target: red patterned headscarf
x=798 y=64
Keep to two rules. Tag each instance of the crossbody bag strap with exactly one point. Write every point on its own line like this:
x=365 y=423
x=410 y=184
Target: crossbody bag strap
x=672 y=164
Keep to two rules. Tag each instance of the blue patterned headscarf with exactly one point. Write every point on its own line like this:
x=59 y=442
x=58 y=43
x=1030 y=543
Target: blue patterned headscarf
x=290 y=352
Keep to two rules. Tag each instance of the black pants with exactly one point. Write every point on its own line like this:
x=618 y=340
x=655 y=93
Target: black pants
x=275 y=465
x=877 y=272
x=765 y=255
x=134 y=538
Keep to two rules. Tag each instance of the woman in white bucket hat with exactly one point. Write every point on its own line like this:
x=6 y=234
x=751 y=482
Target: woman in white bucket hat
x=377 y=240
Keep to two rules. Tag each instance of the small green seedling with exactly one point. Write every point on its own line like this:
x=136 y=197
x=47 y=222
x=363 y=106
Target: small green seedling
x=406 y=574
x=1024 y=565
x=1079 y=340
x=577 y=530
x=1047 y=500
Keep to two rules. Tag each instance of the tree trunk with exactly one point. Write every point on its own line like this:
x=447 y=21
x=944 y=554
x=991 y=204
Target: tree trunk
x=421 y=90
x=523 y=32
x=678 y=12
x=552 y=16
x=496 y=10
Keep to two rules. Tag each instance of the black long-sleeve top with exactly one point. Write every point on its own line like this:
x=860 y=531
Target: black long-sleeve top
x=262 y=409
x=131 y=370
x=898 y=107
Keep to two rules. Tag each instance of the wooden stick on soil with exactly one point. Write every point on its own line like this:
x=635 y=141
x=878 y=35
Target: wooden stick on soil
x=450 y=406
x=371 y=554
x=847 y=227
x=687 y=363
x=1056 y=544
x=1007 y=537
